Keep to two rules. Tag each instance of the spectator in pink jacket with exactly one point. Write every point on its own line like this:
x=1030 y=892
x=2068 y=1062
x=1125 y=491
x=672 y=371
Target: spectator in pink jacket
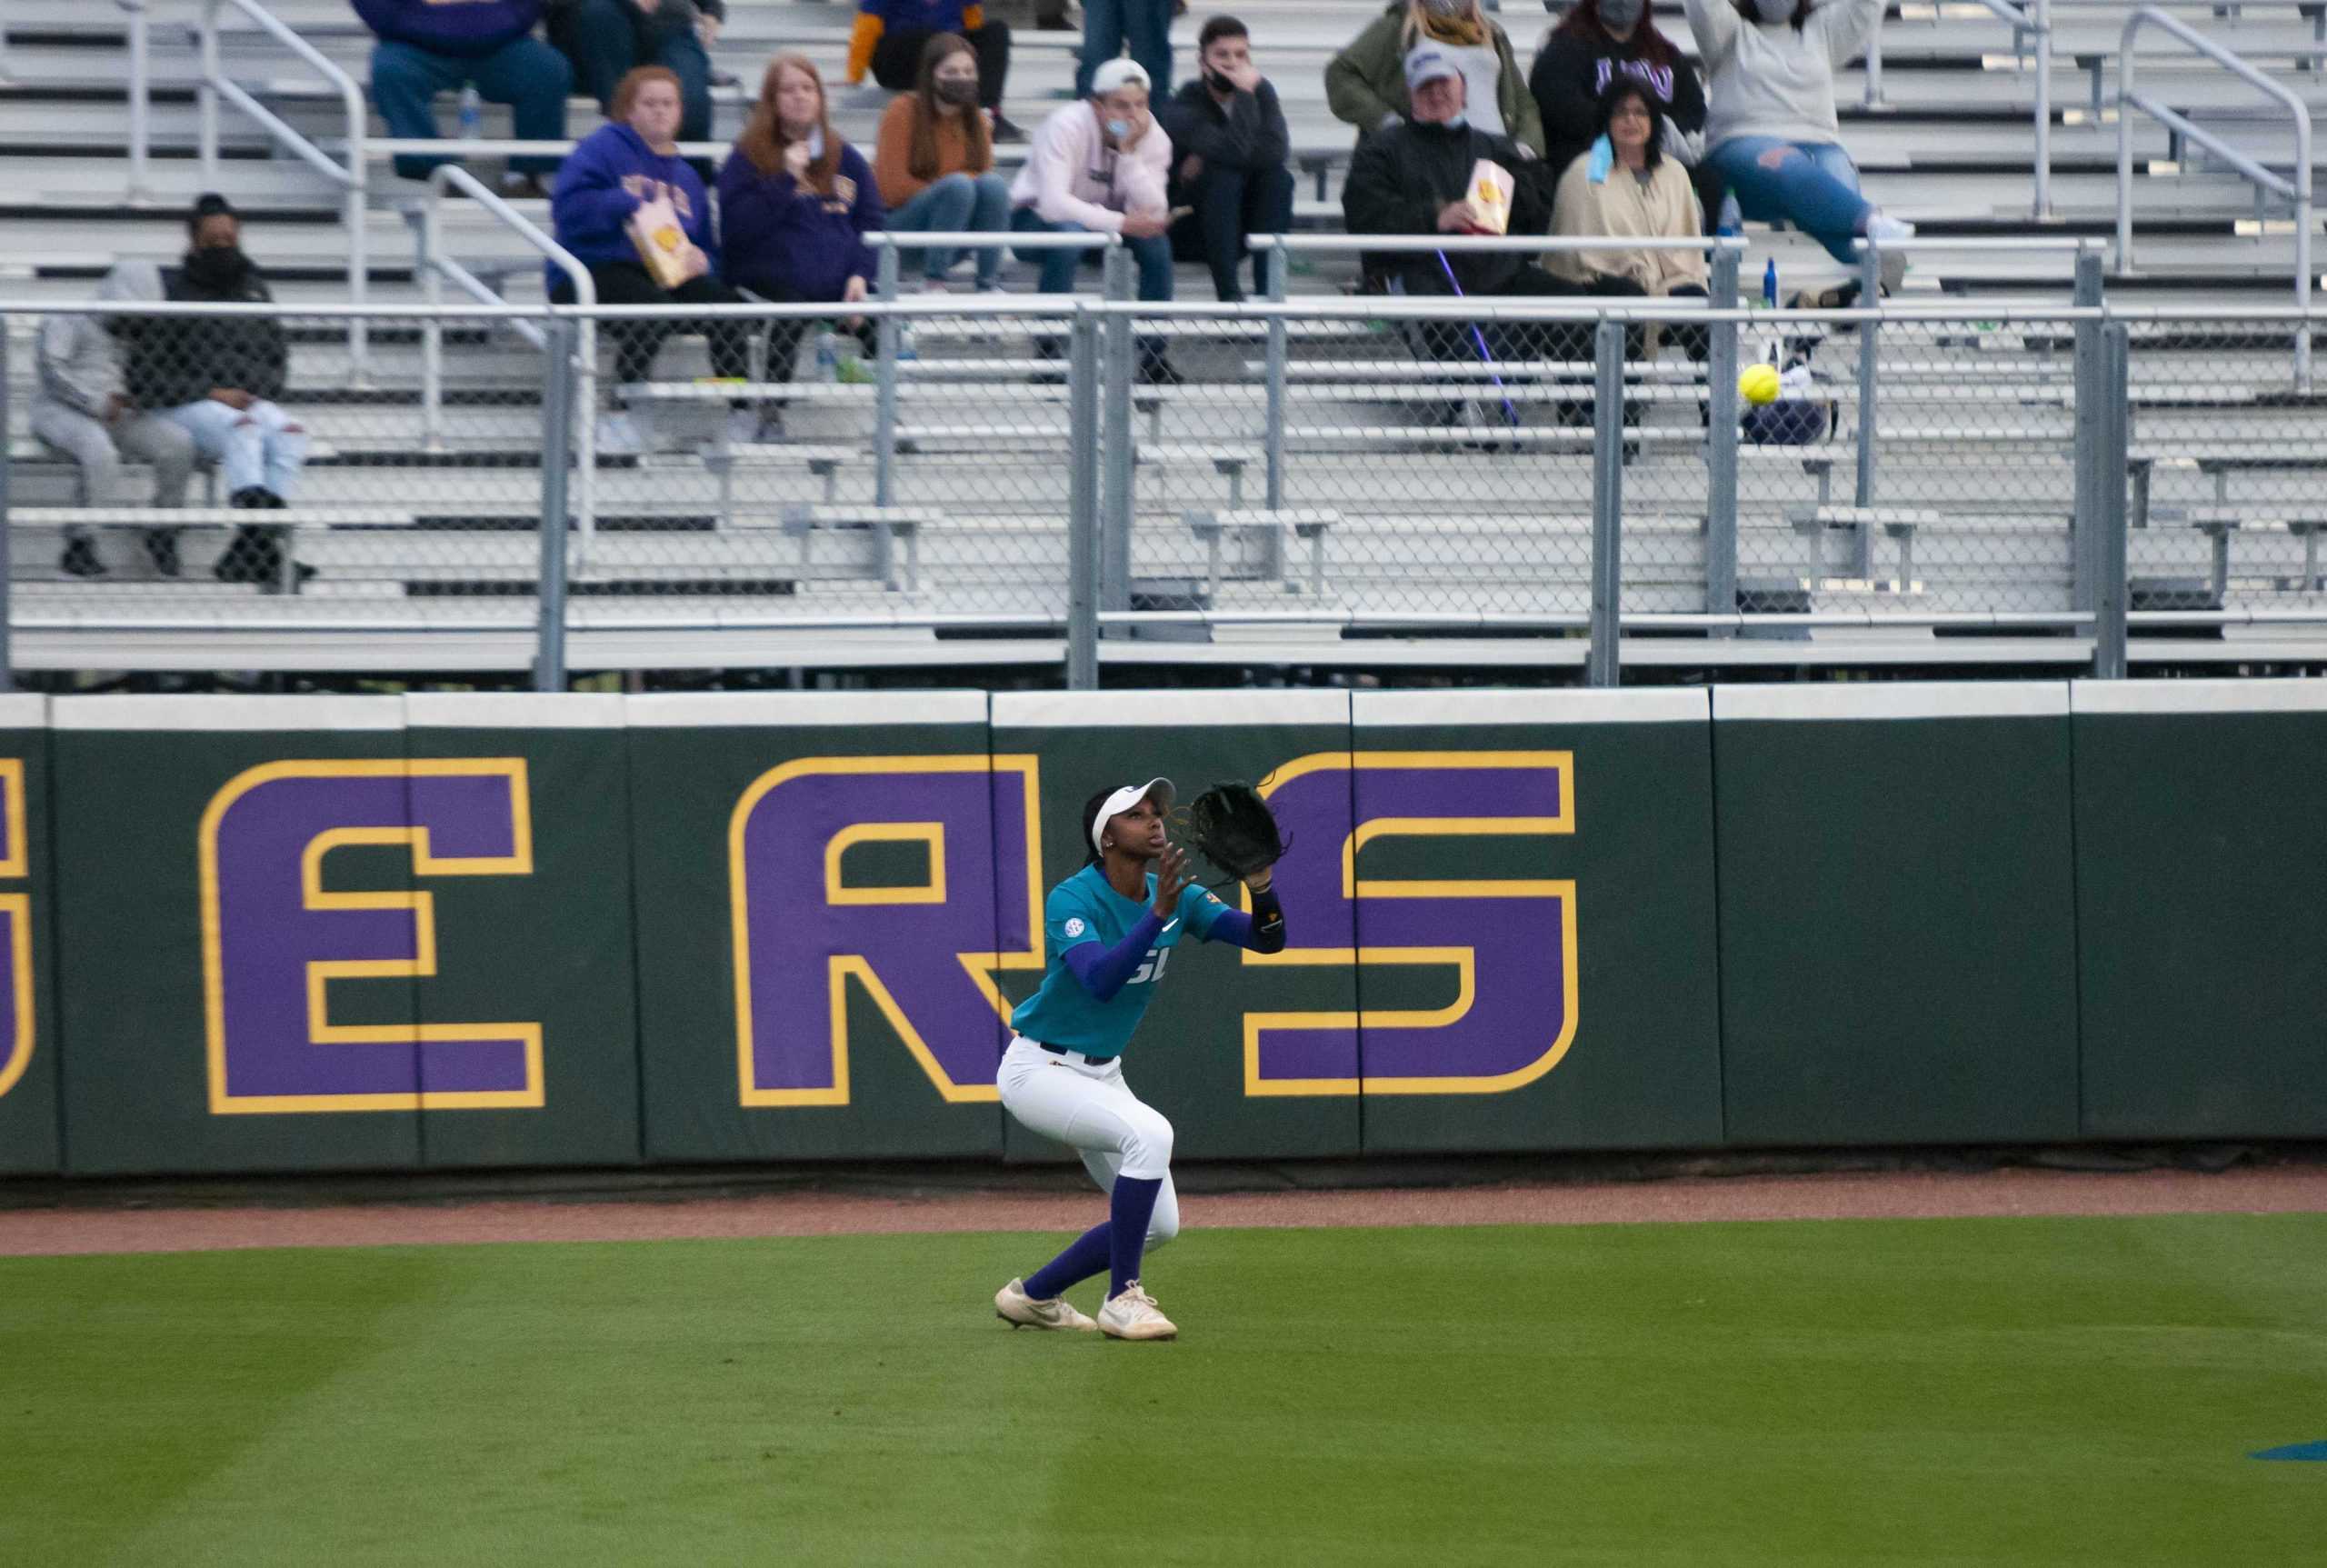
x=1100 y=166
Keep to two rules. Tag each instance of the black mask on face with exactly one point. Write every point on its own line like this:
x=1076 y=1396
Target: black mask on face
x=960 y=94
x=1219 y=84
x=217 y=267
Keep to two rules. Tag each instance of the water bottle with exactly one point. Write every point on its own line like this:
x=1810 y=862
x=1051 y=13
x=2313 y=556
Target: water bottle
x=827 y=355
x=472 y=114
x=1770 y=283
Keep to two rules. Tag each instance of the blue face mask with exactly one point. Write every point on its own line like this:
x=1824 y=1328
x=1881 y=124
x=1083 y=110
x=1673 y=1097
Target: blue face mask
x=1457 y=123
x=1119 y=129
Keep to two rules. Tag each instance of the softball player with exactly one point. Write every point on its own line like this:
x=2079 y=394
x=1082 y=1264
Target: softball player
x=1109 y=932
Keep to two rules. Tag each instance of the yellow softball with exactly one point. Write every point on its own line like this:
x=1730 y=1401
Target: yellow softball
x=1758 y=383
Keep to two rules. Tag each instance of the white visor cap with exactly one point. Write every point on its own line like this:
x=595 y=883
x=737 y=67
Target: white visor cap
x=1123 y=799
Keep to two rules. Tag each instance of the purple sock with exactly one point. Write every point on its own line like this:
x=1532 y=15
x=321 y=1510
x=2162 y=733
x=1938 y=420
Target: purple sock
x=1086 y=1255
x=1129 y=1208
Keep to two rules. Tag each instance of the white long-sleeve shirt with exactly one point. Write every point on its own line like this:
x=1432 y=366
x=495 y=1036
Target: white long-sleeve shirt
x=1763 y=81
x=1071 y=176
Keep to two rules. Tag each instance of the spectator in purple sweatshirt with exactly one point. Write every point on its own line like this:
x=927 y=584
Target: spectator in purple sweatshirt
x=610 y=174
x=795 y=203
x=432 y=46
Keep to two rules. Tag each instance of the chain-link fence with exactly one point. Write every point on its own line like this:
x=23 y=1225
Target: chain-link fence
x=1070 y=470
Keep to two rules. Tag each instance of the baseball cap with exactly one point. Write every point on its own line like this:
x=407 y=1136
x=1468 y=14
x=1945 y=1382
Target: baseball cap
x=1119 y=72
x=1130 y=795
x=1429 y=64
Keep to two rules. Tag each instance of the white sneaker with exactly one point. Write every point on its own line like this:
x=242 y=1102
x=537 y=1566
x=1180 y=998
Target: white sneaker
x=1883 y=228
x=618 y=435
x=1133 y=1315
x=1019 y=1310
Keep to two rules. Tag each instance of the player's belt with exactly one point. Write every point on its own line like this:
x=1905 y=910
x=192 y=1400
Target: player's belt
x=1063 y=1051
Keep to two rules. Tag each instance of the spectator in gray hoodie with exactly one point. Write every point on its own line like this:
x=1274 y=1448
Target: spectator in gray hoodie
x=1771 y=129
x=83 y=410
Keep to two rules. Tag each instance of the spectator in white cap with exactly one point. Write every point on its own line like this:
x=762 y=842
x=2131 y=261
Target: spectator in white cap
x=1415 y=178
x=1100 y=165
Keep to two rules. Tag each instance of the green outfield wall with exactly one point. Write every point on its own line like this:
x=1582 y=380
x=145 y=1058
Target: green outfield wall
x=463 y=931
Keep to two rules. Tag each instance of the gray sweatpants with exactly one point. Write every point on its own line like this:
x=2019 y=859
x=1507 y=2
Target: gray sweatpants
x=99 y=449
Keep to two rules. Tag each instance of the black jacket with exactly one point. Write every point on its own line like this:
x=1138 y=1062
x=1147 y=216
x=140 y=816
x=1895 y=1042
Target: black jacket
x=1402 y=176
x=1249 y=133
x=177 y=361
x=1574 y=70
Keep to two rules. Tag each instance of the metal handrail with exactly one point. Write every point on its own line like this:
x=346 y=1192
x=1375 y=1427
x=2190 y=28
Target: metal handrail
x=435 y=267
x=350 y=179
x=2026 y=18
x=985 y=239
x=2297 y=192
x=140 y=96
x=1492 y=245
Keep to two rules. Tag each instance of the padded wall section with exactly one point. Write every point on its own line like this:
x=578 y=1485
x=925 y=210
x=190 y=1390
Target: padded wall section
x=533 y=945
x=1531 y=874
x=833 y=900
x=237 y=933
x=2201 y=891
x=1898 y=942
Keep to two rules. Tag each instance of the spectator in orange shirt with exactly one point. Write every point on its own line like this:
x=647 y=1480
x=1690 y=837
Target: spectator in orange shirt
x=935 y=163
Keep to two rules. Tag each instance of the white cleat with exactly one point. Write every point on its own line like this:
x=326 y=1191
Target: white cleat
x=1133 y=1315
x=1019 y=1310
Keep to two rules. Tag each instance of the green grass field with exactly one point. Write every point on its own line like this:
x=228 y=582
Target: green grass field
x=2040 y=1391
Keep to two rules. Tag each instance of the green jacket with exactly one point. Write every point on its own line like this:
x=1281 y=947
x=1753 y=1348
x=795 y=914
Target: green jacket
x=1365 y=84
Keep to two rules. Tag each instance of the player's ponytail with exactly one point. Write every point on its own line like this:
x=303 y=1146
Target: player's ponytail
x=1090 y=856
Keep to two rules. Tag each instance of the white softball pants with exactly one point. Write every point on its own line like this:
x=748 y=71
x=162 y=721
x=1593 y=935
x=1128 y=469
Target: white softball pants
x=1090 y=1109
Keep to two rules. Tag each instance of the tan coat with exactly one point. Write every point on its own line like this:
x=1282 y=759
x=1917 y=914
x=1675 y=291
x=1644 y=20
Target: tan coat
x=1664 y=208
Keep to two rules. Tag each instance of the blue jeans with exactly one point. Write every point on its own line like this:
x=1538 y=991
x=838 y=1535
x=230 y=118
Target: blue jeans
x=605 y=38
x=525 y=74
x=960 y=204
x=1229 y=205
x=258 y=448
x=1154 y=257
x=1147 y=23
x=1815 y=190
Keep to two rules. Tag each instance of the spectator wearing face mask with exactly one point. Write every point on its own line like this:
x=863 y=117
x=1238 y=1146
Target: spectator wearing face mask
x=935 y=163
x=1771 y=129
x=1598 y=41
x=891 y=34
x=217 y=378
x=1100 y=165
x=1229 y=146
x=1365 y=82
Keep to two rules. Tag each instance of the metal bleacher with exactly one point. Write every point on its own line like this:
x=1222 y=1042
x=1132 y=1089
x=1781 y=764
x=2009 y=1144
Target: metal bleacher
x=1977 y=412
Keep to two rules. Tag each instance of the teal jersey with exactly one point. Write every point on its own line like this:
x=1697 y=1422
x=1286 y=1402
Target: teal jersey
x=1086 y=908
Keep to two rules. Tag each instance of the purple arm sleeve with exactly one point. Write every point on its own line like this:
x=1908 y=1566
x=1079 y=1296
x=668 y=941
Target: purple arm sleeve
x=1103 y=970
x=1262 y=931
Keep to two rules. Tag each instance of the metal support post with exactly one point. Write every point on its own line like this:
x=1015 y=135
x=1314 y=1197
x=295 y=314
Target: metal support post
x=1083 y=503
x=432 y=330
x=2112 y=591
x=1720 y=443
x=2090 y=478
x=1870 y=342
x=1602 y=664
x=2040 y=22
x=557 y=429
x=1273 y=438
x=140 y=96
x=886 y=338
x=884 y=274
x=1116 y=446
